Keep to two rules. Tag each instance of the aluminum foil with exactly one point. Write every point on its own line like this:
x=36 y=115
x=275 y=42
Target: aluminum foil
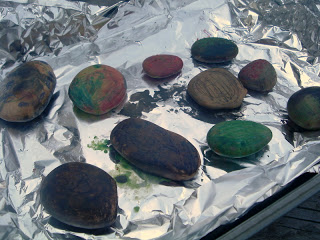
x=71 y=35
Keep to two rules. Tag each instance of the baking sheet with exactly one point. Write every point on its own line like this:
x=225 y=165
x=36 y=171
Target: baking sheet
x=71 y=35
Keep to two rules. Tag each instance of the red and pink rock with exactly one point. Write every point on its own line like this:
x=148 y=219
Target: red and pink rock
x=258 y=75
x=162 y=65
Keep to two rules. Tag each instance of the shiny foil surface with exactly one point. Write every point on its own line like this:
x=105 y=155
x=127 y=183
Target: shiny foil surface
x=72 y=35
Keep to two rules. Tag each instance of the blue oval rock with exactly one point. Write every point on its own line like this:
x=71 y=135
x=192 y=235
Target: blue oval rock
x=237 y=138
x=214 y=50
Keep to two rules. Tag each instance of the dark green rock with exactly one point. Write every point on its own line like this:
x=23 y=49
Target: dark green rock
x=80 y=195
x=304 y=108
x=155 y=150
x=214 y=50
x=26 y=91
x=216 y=88
x=258 y=75
x=236 y=139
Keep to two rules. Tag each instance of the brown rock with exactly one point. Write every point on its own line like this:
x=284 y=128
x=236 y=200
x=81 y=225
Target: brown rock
x=216 y=88
x=155 y=150
x=80 y=195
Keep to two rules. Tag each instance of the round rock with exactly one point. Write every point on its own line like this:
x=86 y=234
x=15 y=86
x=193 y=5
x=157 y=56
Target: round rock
x=26 y=91
x=304 y=108
x=162 y=66
x=97 y=89
x=216 y=88
x=236 y=139
x=155 y=150
x=258 y=75
x=214 y=50
x=80 y=195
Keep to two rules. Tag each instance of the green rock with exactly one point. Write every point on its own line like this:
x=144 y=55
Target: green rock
x=214 y=50
x=237 y=138
x=304 y=108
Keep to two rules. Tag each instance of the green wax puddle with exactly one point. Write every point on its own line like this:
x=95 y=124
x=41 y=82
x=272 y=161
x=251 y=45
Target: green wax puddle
x=101 y=145
x=125 y=174
x=136 y=209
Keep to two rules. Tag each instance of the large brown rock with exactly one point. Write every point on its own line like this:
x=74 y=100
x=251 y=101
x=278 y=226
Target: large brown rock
x=80 y=195
x=155 y=149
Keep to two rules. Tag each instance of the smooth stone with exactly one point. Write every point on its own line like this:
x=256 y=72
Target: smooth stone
x=216 y=88
x=155 y=150
x=97 y=89
x=258 y=75
x=237 y=138
x=214 y=50
x=304 y=108
x=162 y=65
x=80 y=195
x=26 y=91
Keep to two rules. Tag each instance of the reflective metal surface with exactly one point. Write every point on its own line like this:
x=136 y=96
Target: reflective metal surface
x=71 y=35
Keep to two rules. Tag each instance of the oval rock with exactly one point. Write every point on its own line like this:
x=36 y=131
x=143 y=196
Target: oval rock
x=26 y=91
x=237 y=138
x=162 y=65
x=155 y=150
x=216 y=88
x=304 y=108
x=258 y=75
x=97 y=89
x=80 y=195
x=214 y=50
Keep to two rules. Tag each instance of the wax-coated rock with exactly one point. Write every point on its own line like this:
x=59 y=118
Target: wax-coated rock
x=216 y=88
x=236 y=138
x=97 y=89
x=26 y=91
x=155 y=150
x=214 y=50
x=80 y=195
x=258 y=75
x=304 y=108
x=162 y=65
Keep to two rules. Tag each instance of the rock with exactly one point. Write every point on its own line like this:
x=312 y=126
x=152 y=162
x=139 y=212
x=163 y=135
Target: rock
x=258 y=75
x=26 y=91
x=155 y=150
x=162 y=66
x=236 y=138
x=80 y=195
x=97 y=89
x=304 y=108
x=214 y=50
x=216 y=88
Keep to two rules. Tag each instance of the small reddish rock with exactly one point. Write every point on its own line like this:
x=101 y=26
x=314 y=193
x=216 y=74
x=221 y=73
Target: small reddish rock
x=97 y=89
x=162 y=66
x=258 y=75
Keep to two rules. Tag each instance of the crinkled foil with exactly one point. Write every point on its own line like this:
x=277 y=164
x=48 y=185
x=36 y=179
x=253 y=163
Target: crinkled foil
x=71 y=35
